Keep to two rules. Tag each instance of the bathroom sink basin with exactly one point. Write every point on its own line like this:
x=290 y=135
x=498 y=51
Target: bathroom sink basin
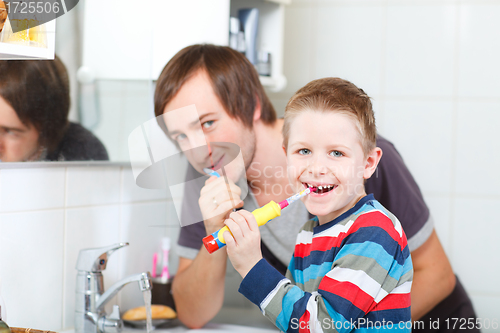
x=209 y=328
x=212 y=328
x=240 y=320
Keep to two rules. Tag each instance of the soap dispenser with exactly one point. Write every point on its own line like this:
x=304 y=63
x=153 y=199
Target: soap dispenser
x=3 y=326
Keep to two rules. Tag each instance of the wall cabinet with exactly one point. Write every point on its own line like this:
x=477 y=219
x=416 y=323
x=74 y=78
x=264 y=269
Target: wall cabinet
x=131 y=40
x=16 y=50
x=270 y=36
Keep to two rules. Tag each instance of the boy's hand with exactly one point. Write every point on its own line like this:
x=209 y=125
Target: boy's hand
x=243 y=247
x=217 y=199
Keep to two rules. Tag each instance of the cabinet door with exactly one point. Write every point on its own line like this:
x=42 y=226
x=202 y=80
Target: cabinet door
x=15 y=50
x=133 y=40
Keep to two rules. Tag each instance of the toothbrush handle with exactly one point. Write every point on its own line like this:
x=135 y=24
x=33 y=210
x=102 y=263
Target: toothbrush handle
x=164 y=273
x=262 y=215
x=155 y=261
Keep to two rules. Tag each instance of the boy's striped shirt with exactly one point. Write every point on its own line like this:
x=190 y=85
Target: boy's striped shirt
x=351 y=274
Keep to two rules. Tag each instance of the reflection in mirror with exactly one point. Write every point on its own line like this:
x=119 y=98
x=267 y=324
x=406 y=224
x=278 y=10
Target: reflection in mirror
x=121 y=106
x=34 y=107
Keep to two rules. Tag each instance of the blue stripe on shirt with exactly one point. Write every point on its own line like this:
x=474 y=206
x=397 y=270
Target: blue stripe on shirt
x=341 y=306
x=293 y=295
x=255 y=287
x=376 y=235
x=312 y=272
x=375 y=252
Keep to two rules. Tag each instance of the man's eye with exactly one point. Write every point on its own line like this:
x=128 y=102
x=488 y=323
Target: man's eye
x=336 y=153
x=304 y=151
x=11 y=133
x=207 y=124
x=180 y=137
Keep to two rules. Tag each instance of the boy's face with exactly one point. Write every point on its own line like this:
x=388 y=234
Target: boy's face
x=324 y=150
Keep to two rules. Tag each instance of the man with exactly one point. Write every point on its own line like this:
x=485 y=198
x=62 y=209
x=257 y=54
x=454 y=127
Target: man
x=34 y=107
x=233 y=107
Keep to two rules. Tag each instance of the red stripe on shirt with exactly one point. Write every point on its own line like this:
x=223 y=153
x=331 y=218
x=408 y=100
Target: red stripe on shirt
x=321 y=244
x=370 y=219
x=377 y=219
x=394 y=301
x=304 y=322
x=348 y=291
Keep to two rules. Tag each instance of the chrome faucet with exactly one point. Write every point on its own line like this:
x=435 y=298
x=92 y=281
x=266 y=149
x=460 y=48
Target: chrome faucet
x=90 y=316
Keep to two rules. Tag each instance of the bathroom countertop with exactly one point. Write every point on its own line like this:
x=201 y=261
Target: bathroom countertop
x=209 y=328
x=241 y=320
x=212 y=328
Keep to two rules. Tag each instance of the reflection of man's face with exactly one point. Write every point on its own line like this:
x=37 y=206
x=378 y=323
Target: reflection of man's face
x=205 y=123
x=18 y=142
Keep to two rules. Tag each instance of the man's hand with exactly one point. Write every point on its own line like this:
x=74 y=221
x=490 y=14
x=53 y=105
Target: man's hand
x=243 y=246
x=217 y=198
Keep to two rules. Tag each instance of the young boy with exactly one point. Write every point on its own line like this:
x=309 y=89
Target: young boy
x=351 y=269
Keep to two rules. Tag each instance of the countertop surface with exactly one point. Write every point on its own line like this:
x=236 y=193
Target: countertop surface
x=212 y=328
x=238 y=320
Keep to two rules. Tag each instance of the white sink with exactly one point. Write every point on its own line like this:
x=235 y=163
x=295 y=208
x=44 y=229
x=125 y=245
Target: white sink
x=218 y=328
x=209 y=328
x=238 y=320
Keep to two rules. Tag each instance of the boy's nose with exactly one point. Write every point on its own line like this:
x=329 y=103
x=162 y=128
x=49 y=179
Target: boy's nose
x=317 y=166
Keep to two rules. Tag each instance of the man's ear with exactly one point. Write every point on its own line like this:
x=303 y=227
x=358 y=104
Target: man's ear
x=372 y=160
x=258 y=111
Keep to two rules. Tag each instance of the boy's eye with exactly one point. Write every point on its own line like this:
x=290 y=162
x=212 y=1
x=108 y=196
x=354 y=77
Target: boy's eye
x=304 y=151
x=207 y=124
x=336 y=153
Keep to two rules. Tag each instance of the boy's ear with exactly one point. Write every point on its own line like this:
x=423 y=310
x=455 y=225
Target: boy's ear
x=371 y=162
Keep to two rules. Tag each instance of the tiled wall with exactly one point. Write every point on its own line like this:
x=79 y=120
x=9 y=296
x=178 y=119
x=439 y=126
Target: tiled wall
x=121 y=107
x=48 y=214
x=432 y=69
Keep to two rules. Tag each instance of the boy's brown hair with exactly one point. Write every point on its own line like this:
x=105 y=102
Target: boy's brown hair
x=234 y=80
x=338 y=95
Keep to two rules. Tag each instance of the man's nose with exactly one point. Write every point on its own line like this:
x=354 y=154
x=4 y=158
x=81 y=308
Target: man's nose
x=197 y=139
x=198 y=151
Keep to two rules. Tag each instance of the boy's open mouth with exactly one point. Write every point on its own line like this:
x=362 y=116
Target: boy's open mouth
x=320 y=189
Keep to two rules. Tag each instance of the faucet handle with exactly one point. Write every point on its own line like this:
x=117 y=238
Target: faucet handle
x=115 y=314
x=111 y=323
x=95 y=259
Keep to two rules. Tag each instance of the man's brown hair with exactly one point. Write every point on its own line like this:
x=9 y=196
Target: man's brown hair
x=38 y=90
x=234 y=80
x=338 y=95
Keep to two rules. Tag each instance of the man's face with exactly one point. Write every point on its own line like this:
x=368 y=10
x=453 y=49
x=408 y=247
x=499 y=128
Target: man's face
x=205 y=124
x=324 y=149
x=18 y=142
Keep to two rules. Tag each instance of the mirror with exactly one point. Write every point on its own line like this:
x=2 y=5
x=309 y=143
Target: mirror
x=101 y=115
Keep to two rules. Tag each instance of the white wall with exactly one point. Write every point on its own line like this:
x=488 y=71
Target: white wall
x=47 y=215
x=432 y=70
